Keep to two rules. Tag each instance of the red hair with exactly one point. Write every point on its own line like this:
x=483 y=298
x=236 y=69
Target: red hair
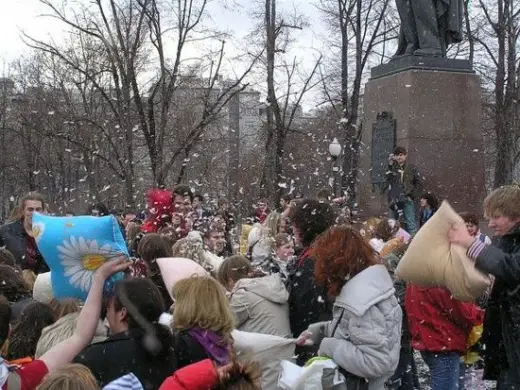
x=340 y=253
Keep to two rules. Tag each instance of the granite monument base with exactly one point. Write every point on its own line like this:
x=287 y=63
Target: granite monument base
x=438 y=120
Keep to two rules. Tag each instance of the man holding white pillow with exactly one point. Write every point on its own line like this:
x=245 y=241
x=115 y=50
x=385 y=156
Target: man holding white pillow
x=501 y=336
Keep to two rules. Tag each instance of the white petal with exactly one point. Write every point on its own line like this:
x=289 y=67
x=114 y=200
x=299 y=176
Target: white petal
x=83 y=246
x=76 y=278
x=73 y=243
x=72 y=270
x=94 y=247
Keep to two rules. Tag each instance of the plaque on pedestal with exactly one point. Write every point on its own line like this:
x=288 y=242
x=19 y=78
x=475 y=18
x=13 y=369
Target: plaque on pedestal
x=438 y=120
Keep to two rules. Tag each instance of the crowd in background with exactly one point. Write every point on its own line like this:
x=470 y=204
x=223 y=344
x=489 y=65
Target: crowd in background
x=300 y=270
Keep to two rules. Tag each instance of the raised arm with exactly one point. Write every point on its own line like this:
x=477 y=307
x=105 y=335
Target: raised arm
x=88 y=319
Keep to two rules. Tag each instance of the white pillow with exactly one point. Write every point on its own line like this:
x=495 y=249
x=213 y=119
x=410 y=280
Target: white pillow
x=431 y=260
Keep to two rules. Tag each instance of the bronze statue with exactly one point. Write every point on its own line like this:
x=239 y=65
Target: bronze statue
x=428 y=27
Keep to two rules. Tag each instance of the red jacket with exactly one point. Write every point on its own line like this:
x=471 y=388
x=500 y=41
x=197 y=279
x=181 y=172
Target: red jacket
x=197 y=376
x=28 y=376
x=438 y=322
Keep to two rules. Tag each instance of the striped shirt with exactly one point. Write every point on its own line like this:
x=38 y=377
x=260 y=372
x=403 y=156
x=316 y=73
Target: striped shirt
x=475 y=249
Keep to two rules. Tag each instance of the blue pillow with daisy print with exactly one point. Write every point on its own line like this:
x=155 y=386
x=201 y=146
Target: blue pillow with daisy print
x=74 y=247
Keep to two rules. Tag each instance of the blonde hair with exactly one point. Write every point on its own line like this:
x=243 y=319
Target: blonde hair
x=70 y=377
x=29 y=278
x=281 y=239
x=200 y=301
x=272 y=223
x=504 y=201
x=63 y=307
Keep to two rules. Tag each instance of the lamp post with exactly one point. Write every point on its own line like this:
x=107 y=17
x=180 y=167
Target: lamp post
x=334 y=151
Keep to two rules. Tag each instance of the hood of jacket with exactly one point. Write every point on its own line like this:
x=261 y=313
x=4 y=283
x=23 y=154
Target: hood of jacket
x=269 y=287
x=366 y=289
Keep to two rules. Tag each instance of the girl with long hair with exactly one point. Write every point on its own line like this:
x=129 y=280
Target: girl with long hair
x=28 y=329
x=364 y=335
x=152 y=247
x=202 y=321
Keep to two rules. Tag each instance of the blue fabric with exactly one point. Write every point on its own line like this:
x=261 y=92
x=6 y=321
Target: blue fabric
x=409 y=217
x=444 y=370
x=127 y=382
x=74 y=247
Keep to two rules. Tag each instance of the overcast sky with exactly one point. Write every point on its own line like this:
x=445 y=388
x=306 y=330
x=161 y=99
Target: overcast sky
x=25 y=15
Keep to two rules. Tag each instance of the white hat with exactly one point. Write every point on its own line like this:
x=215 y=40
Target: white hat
x=42 y=290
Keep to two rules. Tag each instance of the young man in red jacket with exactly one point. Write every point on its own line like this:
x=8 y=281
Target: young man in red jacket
x=440 y=326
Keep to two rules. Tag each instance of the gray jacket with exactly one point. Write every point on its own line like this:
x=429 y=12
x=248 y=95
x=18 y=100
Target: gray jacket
x=366 y=341
x=260 y=306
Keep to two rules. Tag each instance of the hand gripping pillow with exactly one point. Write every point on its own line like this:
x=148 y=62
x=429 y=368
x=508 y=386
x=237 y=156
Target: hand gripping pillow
x=74 y=247
x=174 y=269
x=432 y=261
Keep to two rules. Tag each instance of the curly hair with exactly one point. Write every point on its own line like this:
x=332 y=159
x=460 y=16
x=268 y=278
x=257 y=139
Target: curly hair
x=340 y=254
x=311 y=218
x=192 y=247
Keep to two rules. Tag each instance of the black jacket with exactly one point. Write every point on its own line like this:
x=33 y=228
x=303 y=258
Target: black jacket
x=308 y=302
x=123 y=353
x=13 y=237
x=403 y=184
x=188 y=350
x=501 y=323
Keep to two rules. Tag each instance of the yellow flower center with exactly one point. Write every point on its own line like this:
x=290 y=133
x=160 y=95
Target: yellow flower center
x=92 y=262
x=36 y=231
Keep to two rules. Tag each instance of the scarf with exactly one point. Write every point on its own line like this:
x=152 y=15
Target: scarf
x=212 y=344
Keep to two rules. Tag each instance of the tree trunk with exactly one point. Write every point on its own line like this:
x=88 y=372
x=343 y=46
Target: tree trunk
x=270 y=171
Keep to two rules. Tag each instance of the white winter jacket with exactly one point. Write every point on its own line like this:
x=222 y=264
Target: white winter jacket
x=260 y=305
x=367 y=339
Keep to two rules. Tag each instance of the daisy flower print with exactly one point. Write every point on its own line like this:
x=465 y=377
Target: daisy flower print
x=37 y=231
x=80 y=258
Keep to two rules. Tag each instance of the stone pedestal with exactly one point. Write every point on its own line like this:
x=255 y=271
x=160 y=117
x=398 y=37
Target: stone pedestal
x=438 y=120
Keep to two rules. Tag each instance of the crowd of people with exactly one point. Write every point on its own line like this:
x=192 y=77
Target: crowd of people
x=301 y=270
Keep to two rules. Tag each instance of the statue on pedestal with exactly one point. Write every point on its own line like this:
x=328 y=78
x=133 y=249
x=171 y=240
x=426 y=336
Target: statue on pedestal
x=428 y=27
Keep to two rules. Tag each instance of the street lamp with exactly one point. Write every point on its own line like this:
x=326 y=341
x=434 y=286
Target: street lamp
x=334 y=151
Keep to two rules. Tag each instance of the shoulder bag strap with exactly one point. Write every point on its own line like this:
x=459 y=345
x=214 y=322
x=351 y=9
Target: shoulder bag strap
x=337 y=323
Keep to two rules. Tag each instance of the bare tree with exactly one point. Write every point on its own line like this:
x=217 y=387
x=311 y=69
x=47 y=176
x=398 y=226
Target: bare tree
x=286 y=89
x=496 y=31
x=363 y=28
x=125 y=36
